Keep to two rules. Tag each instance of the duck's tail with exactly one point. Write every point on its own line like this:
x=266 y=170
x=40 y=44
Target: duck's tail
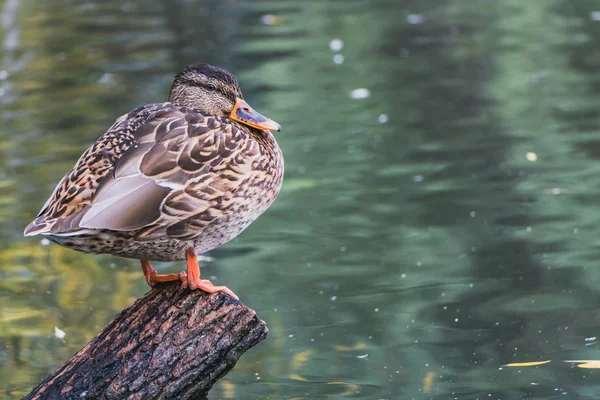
x=37 y=227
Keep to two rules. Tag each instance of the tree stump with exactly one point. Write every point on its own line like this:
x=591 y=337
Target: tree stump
x=172 y=343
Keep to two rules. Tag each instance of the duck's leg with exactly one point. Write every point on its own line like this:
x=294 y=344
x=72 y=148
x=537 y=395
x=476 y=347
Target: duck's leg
x=193 y=277
x=152 y=277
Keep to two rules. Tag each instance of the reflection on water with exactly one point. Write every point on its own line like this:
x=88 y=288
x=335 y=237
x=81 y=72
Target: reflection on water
x=432 y=228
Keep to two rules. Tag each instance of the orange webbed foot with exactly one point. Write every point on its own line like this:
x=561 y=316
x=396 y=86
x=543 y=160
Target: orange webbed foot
x=193 y=281
x=207 y=286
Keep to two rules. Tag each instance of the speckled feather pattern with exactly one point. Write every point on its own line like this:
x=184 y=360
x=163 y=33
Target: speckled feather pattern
x=164 y=178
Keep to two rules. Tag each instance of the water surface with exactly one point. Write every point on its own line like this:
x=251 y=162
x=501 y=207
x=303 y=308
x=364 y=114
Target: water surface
x=438 y=218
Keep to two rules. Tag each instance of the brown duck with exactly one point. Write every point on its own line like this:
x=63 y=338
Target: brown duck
x=170 y=181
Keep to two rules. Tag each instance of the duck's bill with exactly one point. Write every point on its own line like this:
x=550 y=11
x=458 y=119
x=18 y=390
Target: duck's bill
x=246 y=115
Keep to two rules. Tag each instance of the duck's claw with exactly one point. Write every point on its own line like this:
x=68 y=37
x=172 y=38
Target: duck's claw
x=207 y=286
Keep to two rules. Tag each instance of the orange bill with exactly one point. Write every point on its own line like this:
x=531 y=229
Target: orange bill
x=244 y=114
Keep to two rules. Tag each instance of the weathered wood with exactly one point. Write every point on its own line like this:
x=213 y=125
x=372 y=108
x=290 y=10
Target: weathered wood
x=172 y=343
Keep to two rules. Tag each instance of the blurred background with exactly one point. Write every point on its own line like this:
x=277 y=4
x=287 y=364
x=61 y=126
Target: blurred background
x=439 y=215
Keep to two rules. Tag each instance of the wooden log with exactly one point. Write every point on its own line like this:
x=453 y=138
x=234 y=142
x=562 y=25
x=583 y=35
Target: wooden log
x=172 y=343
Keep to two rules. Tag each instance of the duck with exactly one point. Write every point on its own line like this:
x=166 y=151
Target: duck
x=170 y=181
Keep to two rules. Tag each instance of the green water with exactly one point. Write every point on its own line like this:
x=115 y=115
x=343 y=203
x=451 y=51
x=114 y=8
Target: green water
x=426 y=235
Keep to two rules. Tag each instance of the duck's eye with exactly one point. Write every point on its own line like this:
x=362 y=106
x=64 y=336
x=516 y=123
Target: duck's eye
x=210 y=86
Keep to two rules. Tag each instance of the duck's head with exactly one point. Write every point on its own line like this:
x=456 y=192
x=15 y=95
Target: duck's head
x=213 y=90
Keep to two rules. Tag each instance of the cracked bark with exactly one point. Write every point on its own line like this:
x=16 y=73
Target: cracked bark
x=172 y=343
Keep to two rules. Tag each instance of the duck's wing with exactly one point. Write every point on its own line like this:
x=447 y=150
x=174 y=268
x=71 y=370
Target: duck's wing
x=175 y=178
x=75 y=191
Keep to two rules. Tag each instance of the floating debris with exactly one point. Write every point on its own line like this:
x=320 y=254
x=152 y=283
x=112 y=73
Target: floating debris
x=590 y=365
x=414 y=19
x=59 y=333
x=270 y=19
x=360 y=93
x=531 y=156
x=336 y=45
x=528 y=364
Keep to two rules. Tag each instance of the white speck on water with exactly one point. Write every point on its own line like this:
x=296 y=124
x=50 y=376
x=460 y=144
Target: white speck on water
x=575 y=230
x=531 y=156
x=472 y=214
x=275 y=310
x=470 y=286
x=376 y=310
x=59 y=333
x=473 y=249
x=555 y=191
x=455 y=319
x=417 y=178
x=3 y=74
x=497 y=323
x=338 y=59
x=333 y=298
x=589 y=339
x=403 y=276
x=268 y=19
x=320 y=292
x=363 y=356
x=44 y=242
x=595 y=15
x=48 y=291
x=443 y=294
x=414 y=19
x=342 y=249
x=107 y=79
x=290 y=336
x=383 y=118
x=360 y=93
x=445 y=308
x=336 y=45
x=529 y=229
x=308 y=265
x=419 y=263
